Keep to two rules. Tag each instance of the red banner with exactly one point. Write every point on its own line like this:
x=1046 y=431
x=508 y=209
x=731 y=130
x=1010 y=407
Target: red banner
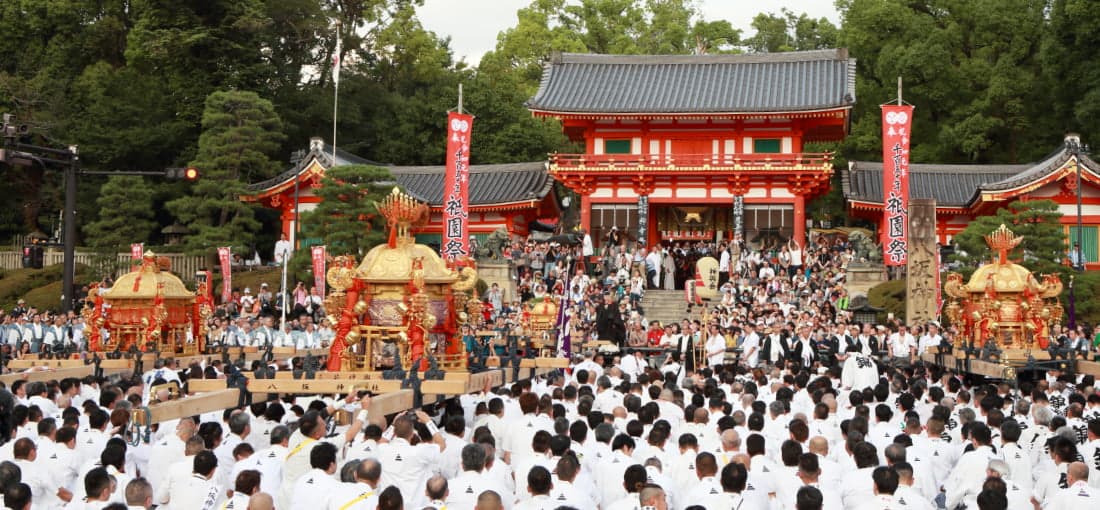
x=224 y=259
x=318 y=255
x=896 y=121
x=137 y=250
x=456 y=188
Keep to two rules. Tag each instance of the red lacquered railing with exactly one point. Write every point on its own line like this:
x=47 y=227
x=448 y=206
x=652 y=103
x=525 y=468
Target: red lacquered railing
x=692 y=162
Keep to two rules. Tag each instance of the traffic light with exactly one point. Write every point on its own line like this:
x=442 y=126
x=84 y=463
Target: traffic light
x=190 y=174
x=9 y=128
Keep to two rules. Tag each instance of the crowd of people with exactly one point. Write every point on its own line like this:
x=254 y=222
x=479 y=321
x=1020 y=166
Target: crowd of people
x=245 y=319
x=774 y=399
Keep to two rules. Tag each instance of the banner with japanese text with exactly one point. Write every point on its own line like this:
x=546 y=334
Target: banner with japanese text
x=224 y=259
x=896 y=121
x=456 y=188
x=318 y=255
x=137 y=251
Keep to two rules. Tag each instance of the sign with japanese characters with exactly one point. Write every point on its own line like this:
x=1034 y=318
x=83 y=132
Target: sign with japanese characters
x=707 y=267
x=224 y=261
x=456 y=188
x=896 y=122
x=137 y=250
x=317 y=255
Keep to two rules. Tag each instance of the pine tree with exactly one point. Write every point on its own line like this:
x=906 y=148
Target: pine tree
x=1038 y=221
x=125 y=206
x=346 y=220
x=240 y=131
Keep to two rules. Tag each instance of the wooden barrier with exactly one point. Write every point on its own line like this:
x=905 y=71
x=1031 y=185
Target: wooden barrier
x=443 y=387
x=551 y=362
x=58 y=374
x=390 y=403
x=322 y=386
x=22 y=364
x=454 y=383
x=195 y=405
x=212 y=394
x=979 y=367
x=204 y=385
x=1088 y=368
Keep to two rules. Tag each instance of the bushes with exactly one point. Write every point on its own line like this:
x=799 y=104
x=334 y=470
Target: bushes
x=890 y=296
x=40 y=287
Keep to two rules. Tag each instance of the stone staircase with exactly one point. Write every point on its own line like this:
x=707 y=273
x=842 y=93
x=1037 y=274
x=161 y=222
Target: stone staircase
x=664 y=305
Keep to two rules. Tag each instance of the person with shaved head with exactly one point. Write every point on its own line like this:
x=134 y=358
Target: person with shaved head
x=1079 y=495
x=489 y=500
x=261 y=501
x=435 y=490
x=363 y=493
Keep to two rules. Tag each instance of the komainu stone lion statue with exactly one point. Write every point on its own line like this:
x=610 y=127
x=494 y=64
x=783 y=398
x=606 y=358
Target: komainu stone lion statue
x=864 y=248
x=493 y=247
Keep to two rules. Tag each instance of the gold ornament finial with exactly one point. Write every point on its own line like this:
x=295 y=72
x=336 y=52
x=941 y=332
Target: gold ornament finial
x=401 y=211
x=1003 y=241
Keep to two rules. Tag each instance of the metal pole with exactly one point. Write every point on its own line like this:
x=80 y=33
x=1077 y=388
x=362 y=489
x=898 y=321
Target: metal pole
x=282 y=289
x=335 y=93
x=294 y=232
x=1080 y=244
x=69 y=271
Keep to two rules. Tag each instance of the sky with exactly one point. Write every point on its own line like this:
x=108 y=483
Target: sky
x=473 y=25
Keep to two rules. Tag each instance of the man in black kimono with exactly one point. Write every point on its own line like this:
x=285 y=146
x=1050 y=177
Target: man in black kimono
x=609 y=322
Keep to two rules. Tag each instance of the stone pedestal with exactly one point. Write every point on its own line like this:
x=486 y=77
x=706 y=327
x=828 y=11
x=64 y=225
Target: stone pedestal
x=500 y=274
x=861 y=276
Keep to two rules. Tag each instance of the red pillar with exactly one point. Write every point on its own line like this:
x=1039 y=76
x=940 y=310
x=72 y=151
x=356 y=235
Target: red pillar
x=287 y=218
x=800 y=219
x=586 y=213
x=652 y=237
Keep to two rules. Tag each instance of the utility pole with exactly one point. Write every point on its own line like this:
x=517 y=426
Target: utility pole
x=69 y=273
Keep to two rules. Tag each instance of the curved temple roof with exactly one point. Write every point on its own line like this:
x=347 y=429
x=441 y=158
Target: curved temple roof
x=799 y=81
x=489 y=184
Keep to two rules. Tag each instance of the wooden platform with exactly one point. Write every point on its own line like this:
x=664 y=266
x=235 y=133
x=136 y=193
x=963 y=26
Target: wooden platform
x=212 y=394
x=997 y=370
x=456 y=383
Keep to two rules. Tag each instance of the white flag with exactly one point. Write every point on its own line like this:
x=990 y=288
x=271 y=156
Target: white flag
x=336 y=61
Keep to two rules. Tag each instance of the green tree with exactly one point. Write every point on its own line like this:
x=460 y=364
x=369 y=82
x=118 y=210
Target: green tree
x=969 y=66
x=347 y=219
x=240 y=131
x=790 y=32
x=1071 y=67
x=126 y=216
x=604 y=26
x=542 y=28
x=1038 y=221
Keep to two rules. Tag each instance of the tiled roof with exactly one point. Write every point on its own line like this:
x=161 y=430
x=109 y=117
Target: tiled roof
x=950 y=185
x=755 y=83
x=489 y=184
x=321 y=152
x=955 y=185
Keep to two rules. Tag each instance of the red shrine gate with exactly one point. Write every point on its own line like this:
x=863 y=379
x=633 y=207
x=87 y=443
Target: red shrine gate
x=697 y=147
